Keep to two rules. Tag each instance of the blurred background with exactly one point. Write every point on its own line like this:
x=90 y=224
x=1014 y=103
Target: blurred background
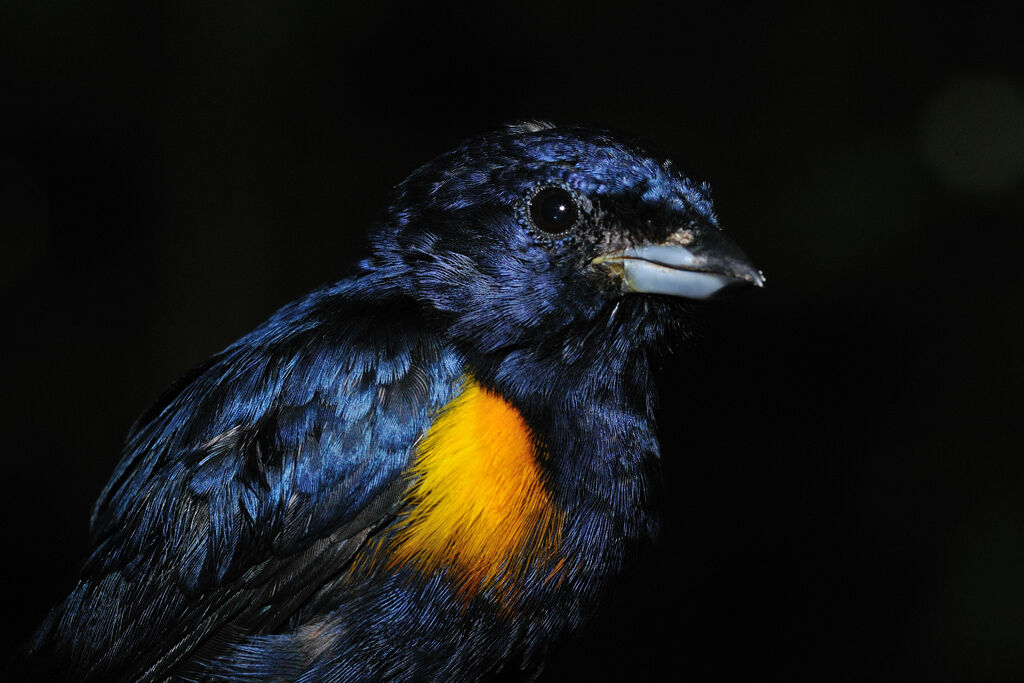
x=843 y=449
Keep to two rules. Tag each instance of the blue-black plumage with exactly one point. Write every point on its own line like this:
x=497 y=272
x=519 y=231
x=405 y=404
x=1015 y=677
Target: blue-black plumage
x=432 y=469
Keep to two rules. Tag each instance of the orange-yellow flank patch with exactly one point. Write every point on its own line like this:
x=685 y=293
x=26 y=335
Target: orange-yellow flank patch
x=478 y=505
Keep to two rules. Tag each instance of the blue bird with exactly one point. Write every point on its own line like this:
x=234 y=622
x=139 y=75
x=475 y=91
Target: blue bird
x=434 y=469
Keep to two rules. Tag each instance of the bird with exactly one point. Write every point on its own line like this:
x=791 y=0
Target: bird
x=435 y=468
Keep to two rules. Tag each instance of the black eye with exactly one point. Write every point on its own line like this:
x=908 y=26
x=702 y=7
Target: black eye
x=553 y=210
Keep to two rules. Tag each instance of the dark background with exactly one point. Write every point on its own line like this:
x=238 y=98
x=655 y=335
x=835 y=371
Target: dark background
x=842 y=449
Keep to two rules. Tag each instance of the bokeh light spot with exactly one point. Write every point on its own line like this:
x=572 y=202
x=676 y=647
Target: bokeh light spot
x=972 y=134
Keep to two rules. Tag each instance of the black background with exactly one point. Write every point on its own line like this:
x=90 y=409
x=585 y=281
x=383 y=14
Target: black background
x=842 y=449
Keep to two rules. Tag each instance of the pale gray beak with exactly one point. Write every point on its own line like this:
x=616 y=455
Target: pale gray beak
x=690 y=263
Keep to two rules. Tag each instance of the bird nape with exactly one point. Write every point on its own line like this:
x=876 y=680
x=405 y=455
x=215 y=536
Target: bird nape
x=433 y=469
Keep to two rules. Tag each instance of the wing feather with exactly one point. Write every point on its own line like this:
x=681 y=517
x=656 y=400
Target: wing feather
x=250 y=485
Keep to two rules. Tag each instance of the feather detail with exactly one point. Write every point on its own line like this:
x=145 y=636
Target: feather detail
x=478 y=505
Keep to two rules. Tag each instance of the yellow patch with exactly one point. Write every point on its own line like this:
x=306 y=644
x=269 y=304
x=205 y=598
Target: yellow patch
x=477 y=505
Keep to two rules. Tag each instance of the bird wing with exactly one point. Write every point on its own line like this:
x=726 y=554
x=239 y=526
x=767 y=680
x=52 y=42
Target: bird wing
x=251 y=484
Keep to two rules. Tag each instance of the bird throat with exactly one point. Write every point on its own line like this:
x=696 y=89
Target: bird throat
x=478 y=506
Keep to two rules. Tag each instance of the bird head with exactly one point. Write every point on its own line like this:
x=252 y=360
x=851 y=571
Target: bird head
x=535 y=231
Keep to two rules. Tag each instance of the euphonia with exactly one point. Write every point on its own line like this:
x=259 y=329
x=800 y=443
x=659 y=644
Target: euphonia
x=433 y=469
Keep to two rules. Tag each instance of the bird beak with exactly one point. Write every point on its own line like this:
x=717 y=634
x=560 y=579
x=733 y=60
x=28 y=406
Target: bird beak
x=692 y=263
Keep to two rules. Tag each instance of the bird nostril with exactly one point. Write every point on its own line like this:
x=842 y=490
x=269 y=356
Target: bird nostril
x=681 y=238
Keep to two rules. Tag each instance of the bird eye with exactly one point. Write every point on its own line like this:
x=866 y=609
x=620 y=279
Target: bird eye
x=553 y=210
